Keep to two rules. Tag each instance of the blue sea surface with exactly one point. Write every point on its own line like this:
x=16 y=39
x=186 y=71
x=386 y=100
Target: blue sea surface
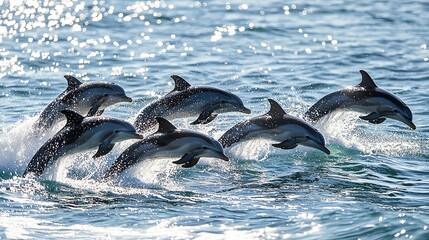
x=374 y=185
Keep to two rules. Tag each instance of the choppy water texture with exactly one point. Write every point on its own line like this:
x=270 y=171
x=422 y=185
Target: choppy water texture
x=374 y=185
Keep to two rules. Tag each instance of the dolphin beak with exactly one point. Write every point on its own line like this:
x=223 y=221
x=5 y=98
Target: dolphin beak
x=319 y=146
x=325 y=150
x=223 y=157
x=127 y=99
x=409 y=123
x=245 y=110
x=136 y=135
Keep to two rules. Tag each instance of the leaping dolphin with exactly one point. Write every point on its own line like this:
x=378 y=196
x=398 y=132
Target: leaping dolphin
x=187 y=101
x=366 y=98
x=276 y=125
x=80 y=134
x=88 y=99
x=169 y=142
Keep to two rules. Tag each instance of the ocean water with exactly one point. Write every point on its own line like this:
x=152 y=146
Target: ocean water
x=374 y=185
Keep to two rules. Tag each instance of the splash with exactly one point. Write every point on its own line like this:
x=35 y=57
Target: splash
x=18 y=144
x=257 y=149
x=345 y=128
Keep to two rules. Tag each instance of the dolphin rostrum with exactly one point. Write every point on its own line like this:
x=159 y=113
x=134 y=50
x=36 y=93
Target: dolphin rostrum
x=80 y=134
x=276 y=125
x=187 y=101
x=88 y=99
x=168 y=142
x=366 y=98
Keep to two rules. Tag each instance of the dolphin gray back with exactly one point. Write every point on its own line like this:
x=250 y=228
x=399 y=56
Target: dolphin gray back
x=345 y=98
x=269 y=120
x=326 y=105
x=47 y=153
x=235 y=134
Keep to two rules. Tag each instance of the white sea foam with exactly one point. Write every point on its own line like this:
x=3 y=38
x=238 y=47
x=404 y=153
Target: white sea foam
x=345 y=128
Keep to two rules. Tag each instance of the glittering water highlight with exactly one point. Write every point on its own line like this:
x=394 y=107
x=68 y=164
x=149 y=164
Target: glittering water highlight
x=374 y=185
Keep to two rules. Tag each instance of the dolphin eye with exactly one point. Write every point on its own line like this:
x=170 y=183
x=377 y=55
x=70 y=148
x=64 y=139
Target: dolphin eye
x=307 y=137
x=204 y=147
x=395 y=110
x=106 y=94
x=223 y=101
x=116 y=131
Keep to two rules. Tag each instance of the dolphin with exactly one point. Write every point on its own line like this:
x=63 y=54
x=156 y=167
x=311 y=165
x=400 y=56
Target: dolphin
x=168 y=142
x=366 y=98
x=88 y=99
x=276 y=125
x=80 y=134
x=187 y=101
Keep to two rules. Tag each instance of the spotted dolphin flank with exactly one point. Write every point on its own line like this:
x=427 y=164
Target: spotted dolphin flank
x=366 y=98
x=169 y=142
x=276 y=125
x=187 y=101
x=88 y=99
x=81 y=134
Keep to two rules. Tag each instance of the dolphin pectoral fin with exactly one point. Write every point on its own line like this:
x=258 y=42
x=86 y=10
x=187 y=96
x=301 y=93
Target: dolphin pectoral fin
x=205 y=117
x=377 y=120
x=371 y=116
x=95 y=108
x=188 y=160
x=103 y=149
x=99 y=112
x=286 y=144
x=92 y=111
x=185 y=158
x=191 y=163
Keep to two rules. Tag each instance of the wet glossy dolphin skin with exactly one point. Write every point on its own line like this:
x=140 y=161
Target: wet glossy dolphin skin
x=188 y=101
x=87 y=99
x=367 y=98
x=169 y=142
x=81 y=134
x=276 y=125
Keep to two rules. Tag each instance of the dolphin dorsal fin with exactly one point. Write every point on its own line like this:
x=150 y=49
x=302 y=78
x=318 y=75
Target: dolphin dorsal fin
x=367 y=81
x=180 y=84
x=73 y=118
x=72 y=82
x=275 y=110
x=164 y=125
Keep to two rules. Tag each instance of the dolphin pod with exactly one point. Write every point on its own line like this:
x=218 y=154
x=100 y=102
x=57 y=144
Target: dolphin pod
x=82 y=133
